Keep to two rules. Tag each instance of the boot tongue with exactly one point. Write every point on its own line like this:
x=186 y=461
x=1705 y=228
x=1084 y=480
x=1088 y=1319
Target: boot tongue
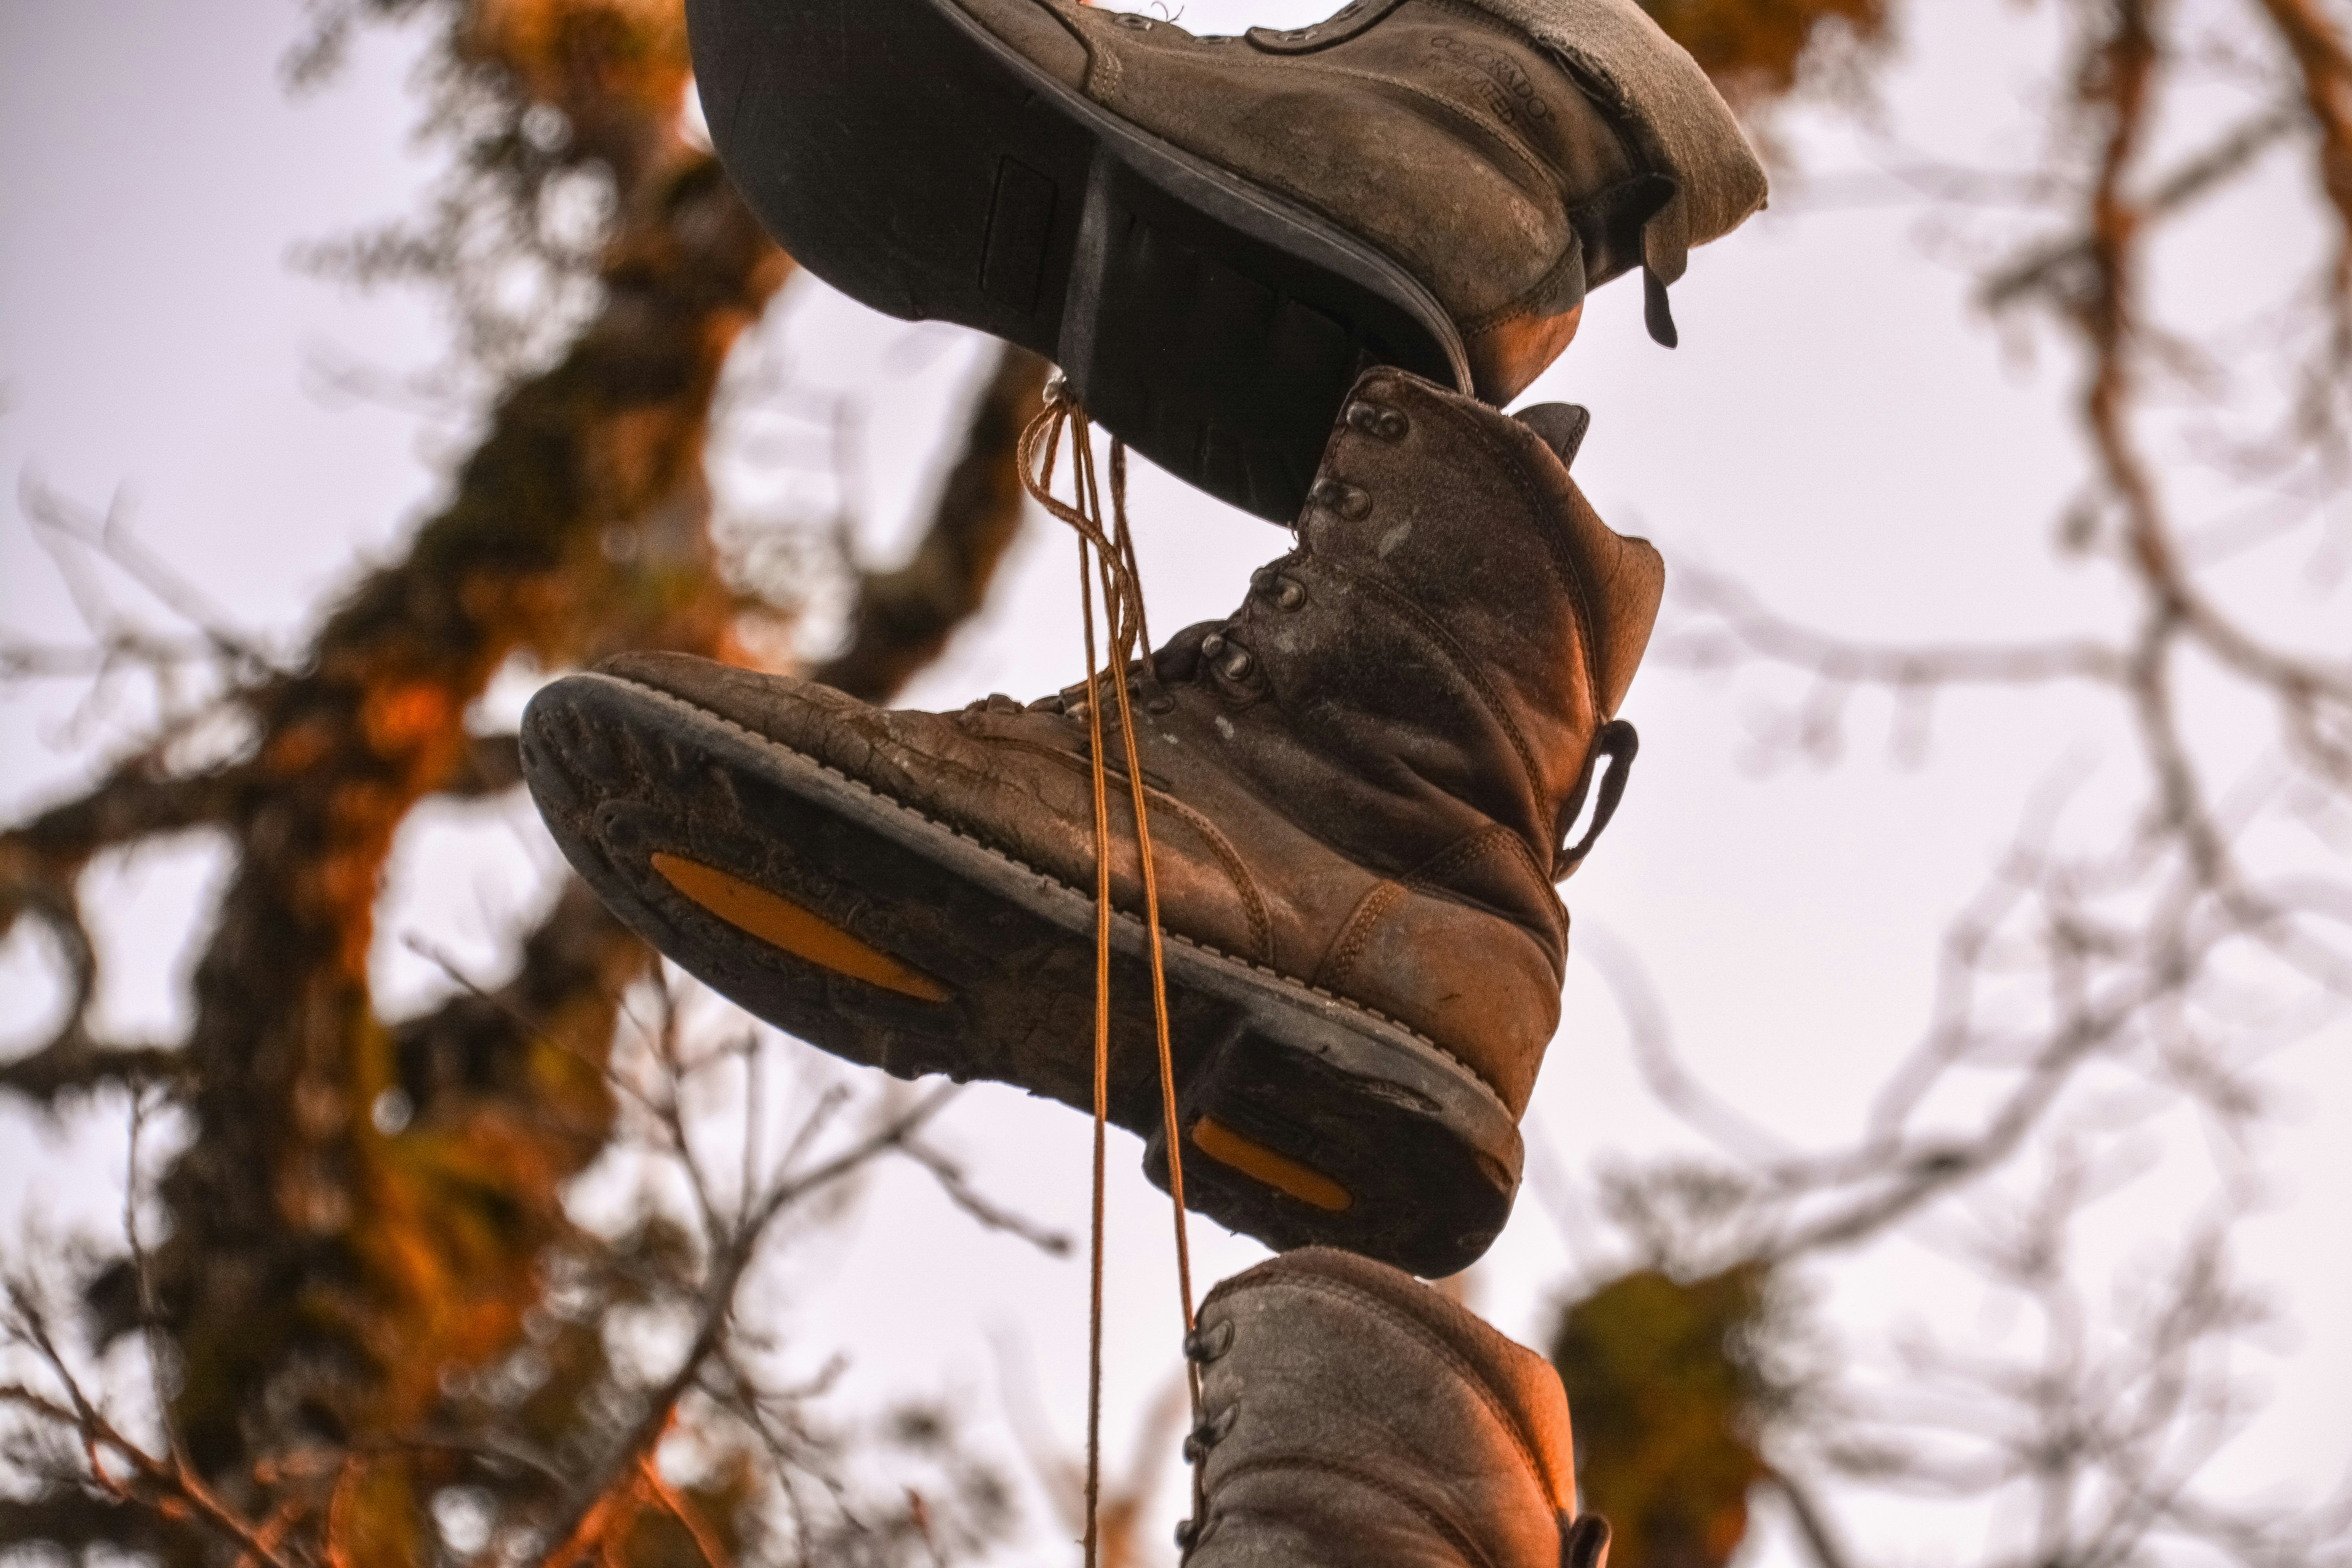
x=1562 y=427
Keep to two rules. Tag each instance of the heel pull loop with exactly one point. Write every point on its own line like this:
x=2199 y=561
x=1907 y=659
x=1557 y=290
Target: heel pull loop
x=1616 y=743
x=1583 y=1540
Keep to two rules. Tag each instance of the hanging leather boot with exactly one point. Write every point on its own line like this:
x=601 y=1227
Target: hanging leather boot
x=1214 y=236
x=1352 y=1417
x=1360 y=788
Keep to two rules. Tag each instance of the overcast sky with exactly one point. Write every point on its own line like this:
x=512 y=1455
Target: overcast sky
x=1842 y=431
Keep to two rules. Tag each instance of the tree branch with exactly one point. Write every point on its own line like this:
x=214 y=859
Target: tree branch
x=576 y=1523
x=904 y=616
x=2041 y=271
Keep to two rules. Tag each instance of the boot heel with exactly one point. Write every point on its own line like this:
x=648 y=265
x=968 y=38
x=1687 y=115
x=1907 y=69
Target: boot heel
x=925 y=168
x=890 y=940
x=1300 y=1131
x=1219 y=353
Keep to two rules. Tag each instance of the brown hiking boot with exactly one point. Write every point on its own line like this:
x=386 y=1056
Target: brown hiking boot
x=1213 y=236
x=1360 y=786
x=1352 y=1417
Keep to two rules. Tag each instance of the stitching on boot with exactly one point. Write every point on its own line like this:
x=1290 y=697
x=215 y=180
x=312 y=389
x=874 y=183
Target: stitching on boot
x=1261 y=919
x=1253 y=902
x=1415 y=1326
x=1465 y=14
x=1475 y=847
x=1420 y=1329
x=1470 y=1550
x=1600 y=96
x=1350 y=1003
x=1357 y=934
x=1103 y=71
x=1290 y=67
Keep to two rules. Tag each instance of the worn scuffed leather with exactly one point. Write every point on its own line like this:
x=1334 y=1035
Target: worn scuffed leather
x=1353 y=1417
x=1356 y=781
x=1450 y=138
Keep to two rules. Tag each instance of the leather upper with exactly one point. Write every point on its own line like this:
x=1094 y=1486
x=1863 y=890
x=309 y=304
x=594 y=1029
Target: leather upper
x=1446 y=137
x=1357 y=781
x=1457 y=1452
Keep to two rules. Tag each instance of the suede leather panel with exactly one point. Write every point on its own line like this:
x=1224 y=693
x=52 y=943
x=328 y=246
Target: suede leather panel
x=1019 y=784
x=1465 y=979
x=1623 y=581
x=1678 y=122
x=1457 y=1452
x=1040 y=31
x=1440 y=134
x=1510 y=353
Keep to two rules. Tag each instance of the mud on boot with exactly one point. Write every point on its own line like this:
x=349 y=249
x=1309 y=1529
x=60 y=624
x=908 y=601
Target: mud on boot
x=1214 y=236
x=1457 y=1455
x=1359 y=787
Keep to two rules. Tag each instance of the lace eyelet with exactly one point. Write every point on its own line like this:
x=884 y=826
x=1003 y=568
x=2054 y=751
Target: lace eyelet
x=1374 y=420
x=1336 y=495
x=1204 y=1345
x=1208 y=1434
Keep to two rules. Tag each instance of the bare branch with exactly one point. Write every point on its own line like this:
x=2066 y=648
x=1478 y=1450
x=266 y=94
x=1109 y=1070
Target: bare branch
x=2052 y=265
x=959 y=1192
x=1813 y=1521
x=903 y=616
x=1753 y=629
x=713 y=1554
x=577 y=1520
x=167 y=1479
x=2325 y=61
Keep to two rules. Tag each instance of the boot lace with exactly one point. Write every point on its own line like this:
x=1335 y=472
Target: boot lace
x=1107 y=563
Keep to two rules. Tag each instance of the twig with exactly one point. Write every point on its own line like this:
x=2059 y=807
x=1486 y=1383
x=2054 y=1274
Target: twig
x=568 y=1528
x=169 y=1477
x=2041 y=270
x=1812 y=1522
x=959 y=1192
x=713 y=1554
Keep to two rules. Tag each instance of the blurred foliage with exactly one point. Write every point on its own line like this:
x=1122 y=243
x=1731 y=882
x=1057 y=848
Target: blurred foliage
x=368 y=1252
x=1663 y=1383
x=1758 y=50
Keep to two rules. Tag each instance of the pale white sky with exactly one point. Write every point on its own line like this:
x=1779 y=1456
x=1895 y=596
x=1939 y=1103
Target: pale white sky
x=1841 y=430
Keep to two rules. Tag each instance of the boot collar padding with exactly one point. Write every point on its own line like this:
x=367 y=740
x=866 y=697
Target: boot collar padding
x=1515 y=1382
x=1684 y=128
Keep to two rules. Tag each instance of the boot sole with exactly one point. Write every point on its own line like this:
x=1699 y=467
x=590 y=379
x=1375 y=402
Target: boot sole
x=903 y=153
x=865 y=928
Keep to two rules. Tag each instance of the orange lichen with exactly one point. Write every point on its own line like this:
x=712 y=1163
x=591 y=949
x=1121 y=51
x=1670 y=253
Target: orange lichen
x=1756 y=50
x=1662 y=1376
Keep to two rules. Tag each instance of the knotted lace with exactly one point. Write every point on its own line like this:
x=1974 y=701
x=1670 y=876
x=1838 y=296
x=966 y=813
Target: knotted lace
x=1106 y=562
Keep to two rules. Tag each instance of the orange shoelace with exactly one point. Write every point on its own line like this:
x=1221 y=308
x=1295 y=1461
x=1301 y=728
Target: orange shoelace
x=1106 y=561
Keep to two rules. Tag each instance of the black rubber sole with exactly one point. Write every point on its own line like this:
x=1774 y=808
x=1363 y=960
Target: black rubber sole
x=908 y=157
x=1307 y=1120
